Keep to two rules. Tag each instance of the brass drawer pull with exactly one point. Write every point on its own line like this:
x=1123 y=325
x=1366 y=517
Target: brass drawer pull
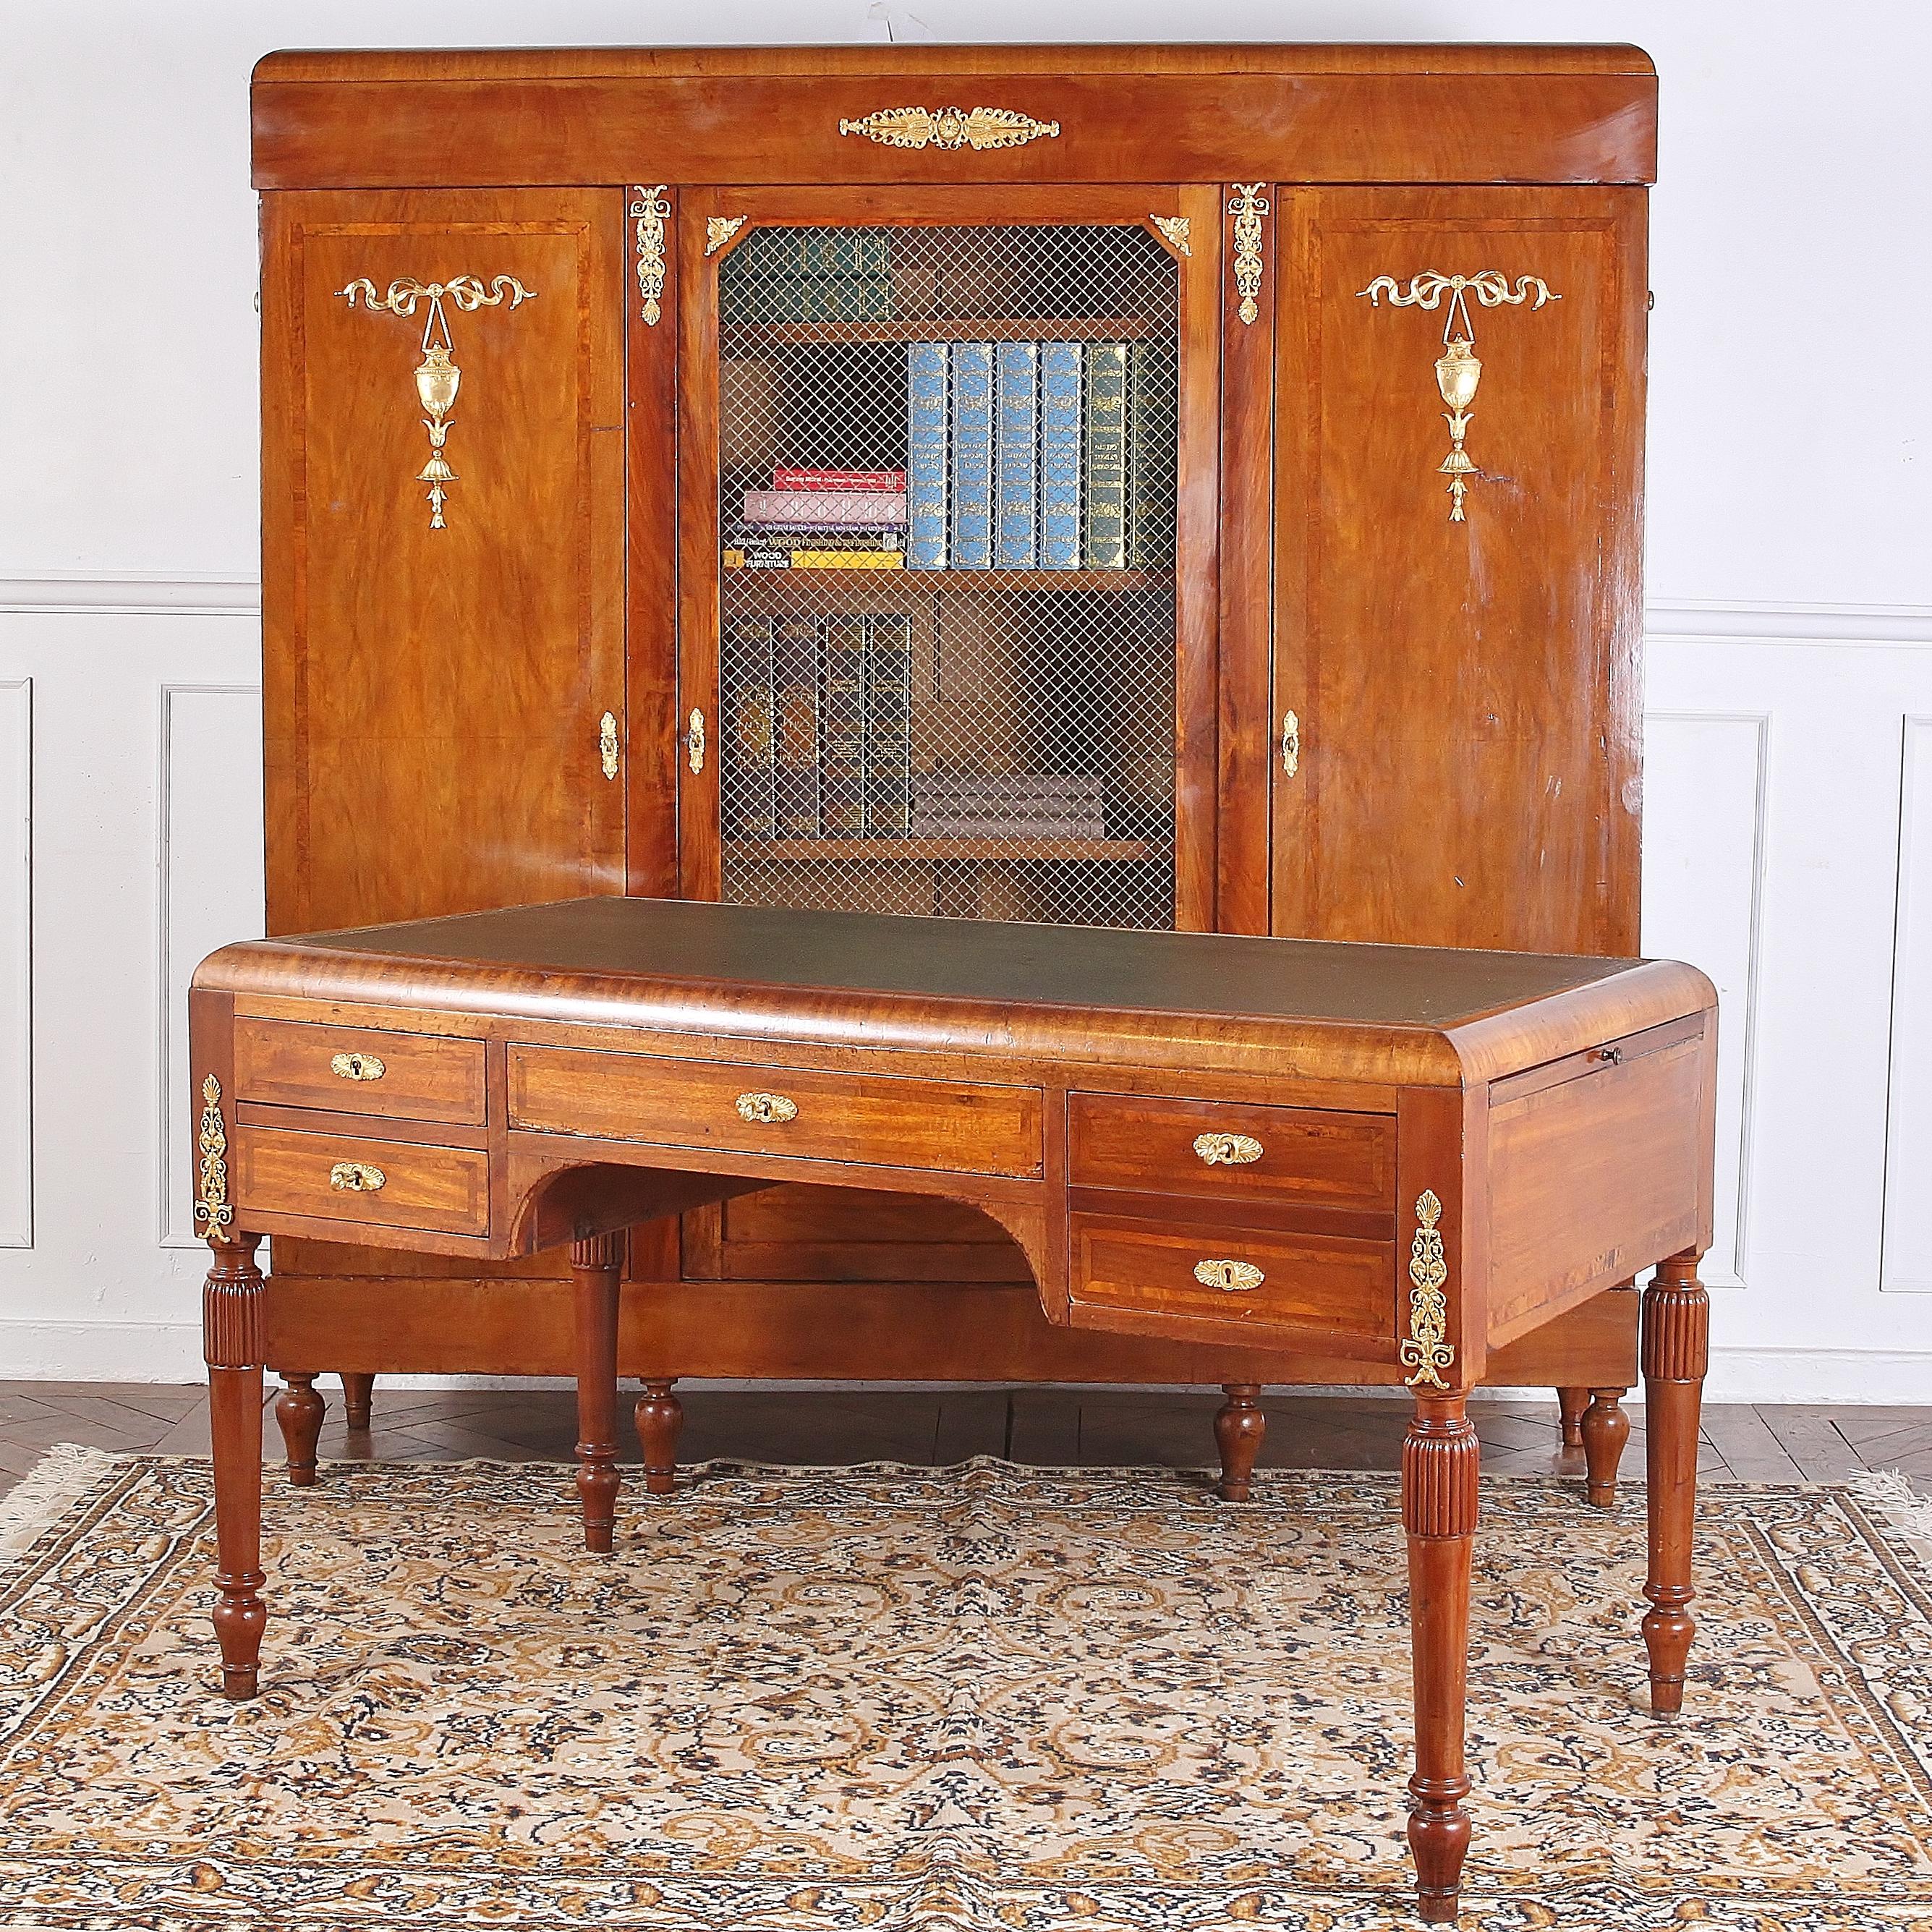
x=1233 y=1277
x=356 y=1176
x=1228 y=1149
x=357 y=1066
x=766 y=1107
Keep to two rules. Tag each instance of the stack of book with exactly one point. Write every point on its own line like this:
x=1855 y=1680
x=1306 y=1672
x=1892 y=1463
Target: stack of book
x=1039 y=455
x=808 y=275
x=1009 y=805
x=818 y=723
x=823 y=519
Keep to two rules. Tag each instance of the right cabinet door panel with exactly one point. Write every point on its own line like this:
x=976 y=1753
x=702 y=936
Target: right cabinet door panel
x=1461 y=766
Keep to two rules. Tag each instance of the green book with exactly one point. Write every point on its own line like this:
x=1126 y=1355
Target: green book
x=842 y=788
x=1106 y=456
x=1153 y=431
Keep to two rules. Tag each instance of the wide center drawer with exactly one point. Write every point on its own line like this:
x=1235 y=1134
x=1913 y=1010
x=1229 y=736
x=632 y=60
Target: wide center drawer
x=357 y=1070
x=1294 y=1155
x=1316 y=1285
x=877 y=1119
x=374 y=1183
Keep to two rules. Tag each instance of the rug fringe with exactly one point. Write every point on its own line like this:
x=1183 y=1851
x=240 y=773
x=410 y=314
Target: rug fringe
x=1890 y=1491
x=62 y=1474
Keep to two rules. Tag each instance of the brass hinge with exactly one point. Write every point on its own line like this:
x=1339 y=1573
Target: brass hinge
x=694 y=741
x=1291 y=744
x=607 y=744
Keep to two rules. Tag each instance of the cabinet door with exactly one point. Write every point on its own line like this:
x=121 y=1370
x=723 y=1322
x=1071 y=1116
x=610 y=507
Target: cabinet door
x=948 y=548
x=1464 y=687
x=435 y=674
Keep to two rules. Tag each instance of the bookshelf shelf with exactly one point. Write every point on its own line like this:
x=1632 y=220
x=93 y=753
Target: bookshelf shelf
x=743 y=335
x=903 y=851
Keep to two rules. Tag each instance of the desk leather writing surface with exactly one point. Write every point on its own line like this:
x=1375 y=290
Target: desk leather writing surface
x=1314 y=980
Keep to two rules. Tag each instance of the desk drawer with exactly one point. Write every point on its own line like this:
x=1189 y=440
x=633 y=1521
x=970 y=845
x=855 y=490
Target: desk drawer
x=880 y=1119
x=373 y=1184
x=1292 y=1156
x=351 y=1069
x=1314 y=1284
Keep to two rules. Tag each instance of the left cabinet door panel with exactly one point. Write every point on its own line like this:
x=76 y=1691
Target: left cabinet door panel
x=436 y=673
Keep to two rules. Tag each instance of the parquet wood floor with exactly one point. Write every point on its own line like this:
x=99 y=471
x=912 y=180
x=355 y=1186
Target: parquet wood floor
x=1761 y=1443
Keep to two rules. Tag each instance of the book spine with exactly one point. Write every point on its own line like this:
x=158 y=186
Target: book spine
x=925 y=455
x=1106 y=542
x=848 y=560
x=856 y=509
x=839 y=479
x=744 y=702
x=972 y=455
x=842 y=803
x=1153 y=429
x=888 y=678
x=1016 y=457
x=795 y=675
x=1060 y=455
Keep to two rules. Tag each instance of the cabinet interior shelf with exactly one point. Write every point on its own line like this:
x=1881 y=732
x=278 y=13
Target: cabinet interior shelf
x=903 y=580
x=901 y=851
x=737 y=335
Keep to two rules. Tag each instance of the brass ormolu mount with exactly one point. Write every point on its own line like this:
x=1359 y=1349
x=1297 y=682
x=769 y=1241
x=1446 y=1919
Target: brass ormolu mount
x=1457 y=370
x=437 y=377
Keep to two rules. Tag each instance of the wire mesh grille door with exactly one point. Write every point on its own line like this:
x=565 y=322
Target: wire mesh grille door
x=946 y=514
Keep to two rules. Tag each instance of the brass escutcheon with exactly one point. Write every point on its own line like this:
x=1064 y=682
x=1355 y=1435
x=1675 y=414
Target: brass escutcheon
x=1233 y=1277
x=357 y=1066
x=356 y=1176
x=766 y=1107
x=1227 y=1150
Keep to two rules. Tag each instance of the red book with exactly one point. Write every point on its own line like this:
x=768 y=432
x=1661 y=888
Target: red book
x=839 y=479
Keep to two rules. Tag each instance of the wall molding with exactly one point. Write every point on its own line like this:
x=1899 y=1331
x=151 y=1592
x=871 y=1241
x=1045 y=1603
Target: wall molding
x=16 y=962
x=166 y=593
x=130 y=594
x=1905 y=1266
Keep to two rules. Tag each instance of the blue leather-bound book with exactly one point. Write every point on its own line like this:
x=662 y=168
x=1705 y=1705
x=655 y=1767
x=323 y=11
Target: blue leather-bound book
x=925 y=455
x=1016 y=458
x=972 y=455
x=1060 y=455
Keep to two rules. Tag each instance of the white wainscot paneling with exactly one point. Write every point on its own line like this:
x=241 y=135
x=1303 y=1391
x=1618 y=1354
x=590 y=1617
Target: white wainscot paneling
x=17 y=1010
x=209 y=886
x=1704 y=780
x=1906 y=1266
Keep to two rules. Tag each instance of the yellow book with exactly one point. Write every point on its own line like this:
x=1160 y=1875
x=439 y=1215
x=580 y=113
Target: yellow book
x=848 y=560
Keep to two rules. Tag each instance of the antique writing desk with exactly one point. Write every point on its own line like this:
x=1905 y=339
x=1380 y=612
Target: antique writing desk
x=1382 y=1161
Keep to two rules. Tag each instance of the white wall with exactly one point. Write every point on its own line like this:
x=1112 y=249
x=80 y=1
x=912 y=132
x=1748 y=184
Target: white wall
x=1790 y=816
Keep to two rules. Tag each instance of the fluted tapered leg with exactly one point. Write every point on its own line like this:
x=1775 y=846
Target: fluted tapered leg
x=660 y=1418
x=1676 y=1353
x=1606 y=1429
x=1440 y=1460
x=594 y=1266
x=299 y=1409
x=231 y=1337
x=1239 y=1427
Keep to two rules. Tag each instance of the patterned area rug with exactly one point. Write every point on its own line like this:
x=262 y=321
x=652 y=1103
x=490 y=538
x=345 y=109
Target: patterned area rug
x=986 y=1697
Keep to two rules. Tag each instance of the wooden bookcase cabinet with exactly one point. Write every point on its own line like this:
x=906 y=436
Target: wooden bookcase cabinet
x=1387 y=722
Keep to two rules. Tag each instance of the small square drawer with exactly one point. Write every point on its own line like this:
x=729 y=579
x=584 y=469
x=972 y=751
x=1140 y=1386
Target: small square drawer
x=1288 y=1156
x=1313 y=1285
x=373 y=1184
x=352 y=1070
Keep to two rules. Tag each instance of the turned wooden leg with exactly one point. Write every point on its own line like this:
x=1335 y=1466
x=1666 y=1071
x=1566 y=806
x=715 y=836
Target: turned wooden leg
x=1440 y=1460
x=298 y=1411
x=595 y=1265
x=1606 y=1430
x=1676 y=1352
x=357 y=1393
x=232 y=1338
x=1239 y=1426
x=1572 y=1402
x=660 y=1416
